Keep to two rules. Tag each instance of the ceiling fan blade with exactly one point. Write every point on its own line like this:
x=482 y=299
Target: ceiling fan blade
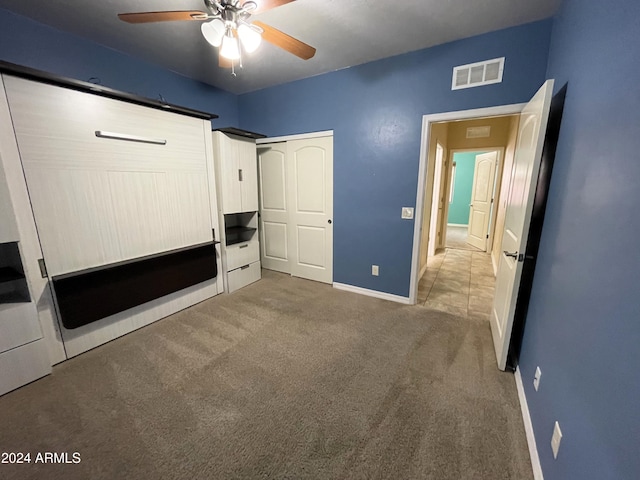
x=286 y=42
x=148 y=17
x=264 y=5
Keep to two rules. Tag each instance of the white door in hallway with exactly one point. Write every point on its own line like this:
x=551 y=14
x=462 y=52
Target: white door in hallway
x=274 y=214
x=524 y=177
x=310 y=191
x=484 y=176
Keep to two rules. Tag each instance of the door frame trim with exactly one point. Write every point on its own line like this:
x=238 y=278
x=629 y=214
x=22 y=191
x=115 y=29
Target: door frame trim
x=300 y=136
x=427 y=121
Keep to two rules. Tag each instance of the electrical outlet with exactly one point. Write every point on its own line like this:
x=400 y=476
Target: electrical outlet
x=555 y=439
x=536 y=378
x=375 y=270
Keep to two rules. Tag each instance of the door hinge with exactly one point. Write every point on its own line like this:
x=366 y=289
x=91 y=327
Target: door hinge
x=240 y=174
x=43 y=268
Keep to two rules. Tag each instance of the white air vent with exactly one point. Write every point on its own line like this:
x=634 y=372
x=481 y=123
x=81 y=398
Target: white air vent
x=479 y=132
x=477 y=74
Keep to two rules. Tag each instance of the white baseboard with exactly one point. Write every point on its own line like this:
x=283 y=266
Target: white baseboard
x=457 y=224
x=372 y=293
x=528 y=428
x=494 y=264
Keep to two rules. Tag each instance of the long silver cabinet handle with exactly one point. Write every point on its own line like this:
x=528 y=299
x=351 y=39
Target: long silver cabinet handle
x=130 y=138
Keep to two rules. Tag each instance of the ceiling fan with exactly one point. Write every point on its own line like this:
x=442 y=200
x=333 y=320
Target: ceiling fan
x=227 y=26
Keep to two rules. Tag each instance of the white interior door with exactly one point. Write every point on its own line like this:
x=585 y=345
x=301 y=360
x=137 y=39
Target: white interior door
x=524 y=177
x=310 y=187
x=437 y=205
x=274 y=214
x=481 y=194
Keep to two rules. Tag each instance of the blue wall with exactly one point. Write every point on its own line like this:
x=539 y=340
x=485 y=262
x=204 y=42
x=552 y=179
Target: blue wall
x=35 y=45
x=376 y=112
x=462 y=185
x=583 y=326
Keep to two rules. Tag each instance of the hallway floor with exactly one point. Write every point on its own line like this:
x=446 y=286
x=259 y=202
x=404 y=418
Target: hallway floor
x=457 y=238
x=459 y=282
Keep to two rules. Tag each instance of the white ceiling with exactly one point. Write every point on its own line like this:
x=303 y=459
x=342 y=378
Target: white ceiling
x=345 y=32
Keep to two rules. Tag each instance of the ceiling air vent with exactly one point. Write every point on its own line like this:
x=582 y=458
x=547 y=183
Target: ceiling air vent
x=477 y=74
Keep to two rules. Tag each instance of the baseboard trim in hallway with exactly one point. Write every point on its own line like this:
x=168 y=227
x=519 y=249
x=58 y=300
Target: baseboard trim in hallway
x=372 y=293
x=528 y=428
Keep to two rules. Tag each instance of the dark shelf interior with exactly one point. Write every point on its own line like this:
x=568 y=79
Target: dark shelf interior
x=9 y=274
x=13 y=283
x=239 y=234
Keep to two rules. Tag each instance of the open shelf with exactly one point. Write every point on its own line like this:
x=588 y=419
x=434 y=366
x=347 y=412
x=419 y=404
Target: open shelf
x=9 y=274
x=13 y=284
x=239 y=234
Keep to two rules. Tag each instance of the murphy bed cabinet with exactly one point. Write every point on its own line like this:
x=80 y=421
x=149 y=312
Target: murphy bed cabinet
x=108 y=210
x=237 y=187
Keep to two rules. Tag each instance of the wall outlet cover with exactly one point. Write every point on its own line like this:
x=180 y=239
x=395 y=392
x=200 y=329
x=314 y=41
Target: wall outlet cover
x=407 y=213
x=536 y=378
x=555 y=439
x=375 y=270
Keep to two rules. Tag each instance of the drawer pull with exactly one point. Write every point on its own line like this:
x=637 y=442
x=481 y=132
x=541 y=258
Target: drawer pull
x=244 y=246
x=245 y=267
x=130 y=138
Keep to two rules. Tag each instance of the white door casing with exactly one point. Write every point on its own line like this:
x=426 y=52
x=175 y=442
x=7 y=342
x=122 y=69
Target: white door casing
x=524 y=176
x=481 y=196
x=310 y=189
x=274 y=213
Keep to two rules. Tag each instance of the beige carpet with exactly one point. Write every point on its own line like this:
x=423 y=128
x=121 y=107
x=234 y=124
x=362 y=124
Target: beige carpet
x=284 y=379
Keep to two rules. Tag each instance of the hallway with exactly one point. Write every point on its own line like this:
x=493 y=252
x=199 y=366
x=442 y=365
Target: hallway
x=459 y=282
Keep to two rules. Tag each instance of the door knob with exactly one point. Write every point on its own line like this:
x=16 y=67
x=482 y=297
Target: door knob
x=512 y=255
x=329 y=221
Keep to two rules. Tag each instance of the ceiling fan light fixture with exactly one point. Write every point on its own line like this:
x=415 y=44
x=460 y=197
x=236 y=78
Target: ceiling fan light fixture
x=213 y=31
x=249 y=37
x=230 y=48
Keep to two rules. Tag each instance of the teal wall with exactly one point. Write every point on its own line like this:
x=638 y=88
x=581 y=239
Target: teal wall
x=463 y=181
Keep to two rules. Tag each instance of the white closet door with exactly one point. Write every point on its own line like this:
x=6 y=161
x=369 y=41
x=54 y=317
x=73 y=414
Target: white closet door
x=274 y=214
x=310 y=189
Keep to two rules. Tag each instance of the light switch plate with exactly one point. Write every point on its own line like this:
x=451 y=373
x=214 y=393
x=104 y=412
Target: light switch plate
x=407 y=213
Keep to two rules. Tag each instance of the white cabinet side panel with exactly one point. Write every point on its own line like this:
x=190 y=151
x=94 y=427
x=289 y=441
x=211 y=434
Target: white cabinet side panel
x=29 y=242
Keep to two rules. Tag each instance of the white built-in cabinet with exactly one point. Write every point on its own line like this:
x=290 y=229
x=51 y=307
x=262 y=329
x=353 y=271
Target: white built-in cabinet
x=238 y=180
x=237 y=186
x=88 y=181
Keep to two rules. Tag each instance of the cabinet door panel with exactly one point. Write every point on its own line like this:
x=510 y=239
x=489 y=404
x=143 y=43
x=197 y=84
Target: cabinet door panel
x=230 y=176
x=249 y=166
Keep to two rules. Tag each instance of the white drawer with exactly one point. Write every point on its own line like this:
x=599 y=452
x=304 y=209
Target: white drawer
x=242 y=254
x=243 y=276
x=23 y=365
x=19 y=325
